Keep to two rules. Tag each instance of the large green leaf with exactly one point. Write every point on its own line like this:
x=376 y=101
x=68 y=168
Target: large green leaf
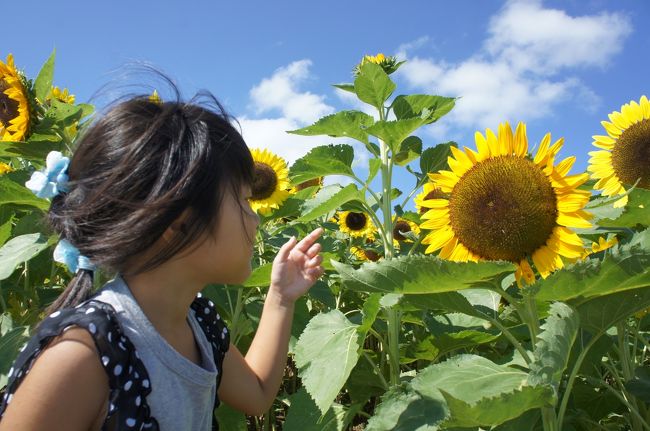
x=553 y=346
x=322 y=161
x=304 y=415
x=13 y=193
x=10 y=342
x=625 y=267
x=637 y=211
x=326 y=353
x=393 y=133
x=328 y=199
x=435 y=159
x=413 y=105
x=344 y=124
x=639 y=385
x=417 y=275
x=18 y=250
x=446 y=301
x=404 y=409
x=260 y=277
x=373 y=85
x=601 y=313
x=64 y=113
x=410 y=150
x=43 y=82
x=31 y=150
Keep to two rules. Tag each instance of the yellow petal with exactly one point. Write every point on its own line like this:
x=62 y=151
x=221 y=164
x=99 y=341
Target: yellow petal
x=612 y=130
x=482 y=146
x=542 y=152
x=574 y=219
x=437 y=239
x=521 y=142
x=506 y=139
x=493 y=142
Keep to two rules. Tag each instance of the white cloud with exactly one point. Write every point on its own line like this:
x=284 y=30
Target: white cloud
x=281 y=92
x=513 y=77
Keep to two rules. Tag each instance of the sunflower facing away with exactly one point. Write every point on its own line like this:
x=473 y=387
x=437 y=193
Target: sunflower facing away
x=402 y=225
x=364 y=254
x=271 y=181
x=504 y=205
x=314 y=182
x=625 y=155
x=14 y=106
x=356 y=224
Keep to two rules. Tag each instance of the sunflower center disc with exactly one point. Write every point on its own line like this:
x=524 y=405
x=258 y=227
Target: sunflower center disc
x=264 y=182
x=631 y=155
x=8 y=106
x=503 y=208
x=400 y=226
x=355 y=221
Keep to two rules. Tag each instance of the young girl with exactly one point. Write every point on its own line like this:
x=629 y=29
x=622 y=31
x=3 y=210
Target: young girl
x=157 y=194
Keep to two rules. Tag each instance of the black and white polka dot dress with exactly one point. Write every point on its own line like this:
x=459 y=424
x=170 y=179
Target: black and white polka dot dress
x=129 y=381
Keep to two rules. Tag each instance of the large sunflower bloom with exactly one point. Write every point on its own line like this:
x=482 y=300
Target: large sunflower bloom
x=14 y=105
x=504 y=205
x=625 y=155
x=271 y=181
x=356 y=224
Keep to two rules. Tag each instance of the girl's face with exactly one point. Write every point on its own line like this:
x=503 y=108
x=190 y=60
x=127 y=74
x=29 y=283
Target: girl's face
x=225 y=256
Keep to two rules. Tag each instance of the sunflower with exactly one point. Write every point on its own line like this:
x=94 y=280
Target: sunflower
x=504 y=205
x=364 y=254
x=61 y=95
x=599 y=246
x=270 y=183
x=356 y=224
x=14 y=105
x=5 y=168
x=155 y=98
x=388 y=64
x=318 y=181
x=429 y=191
x=402 y=225
x=625 y=155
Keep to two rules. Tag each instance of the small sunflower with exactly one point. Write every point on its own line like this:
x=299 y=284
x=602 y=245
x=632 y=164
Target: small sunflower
x=504 y=205
x=5 y=168
x=602 y=244
x=364 y=254
x=389 y=64
x=625 y=155
x=61 y=95
x=271 y=181
x=318 y=181
x=14 y=105
x=356 y=224
x=402 y=225
x=155 y=98
x=429 y=191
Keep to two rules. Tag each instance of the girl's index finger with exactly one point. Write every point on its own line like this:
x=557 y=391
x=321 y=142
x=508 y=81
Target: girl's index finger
x=307 y=241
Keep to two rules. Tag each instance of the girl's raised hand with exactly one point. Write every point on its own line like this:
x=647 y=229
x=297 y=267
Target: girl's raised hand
x=296 y=267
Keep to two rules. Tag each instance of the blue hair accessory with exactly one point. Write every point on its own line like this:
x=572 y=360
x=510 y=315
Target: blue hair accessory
x=69 y=255
x=52 y=180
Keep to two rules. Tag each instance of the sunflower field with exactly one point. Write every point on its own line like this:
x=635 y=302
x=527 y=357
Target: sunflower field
x=513 y=298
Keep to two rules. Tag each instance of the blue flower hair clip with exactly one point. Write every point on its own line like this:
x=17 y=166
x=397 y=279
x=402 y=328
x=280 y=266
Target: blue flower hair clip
x=69 y=255
x=53 y=179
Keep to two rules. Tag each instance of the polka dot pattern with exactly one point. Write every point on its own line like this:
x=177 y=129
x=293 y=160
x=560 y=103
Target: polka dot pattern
x=128 y=378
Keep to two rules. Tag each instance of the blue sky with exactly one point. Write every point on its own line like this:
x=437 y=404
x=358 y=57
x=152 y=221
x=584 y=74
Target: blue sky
x=560 y=66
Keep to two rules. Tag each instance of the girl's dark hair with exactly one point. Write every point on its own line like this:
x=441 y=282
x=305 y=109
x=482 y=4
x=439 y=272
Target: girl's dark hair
x=135 y=170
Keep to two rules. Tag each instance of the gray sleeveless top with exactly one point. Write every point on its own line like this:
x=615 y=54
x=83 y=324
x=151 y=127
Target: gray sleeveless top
x=182 y=393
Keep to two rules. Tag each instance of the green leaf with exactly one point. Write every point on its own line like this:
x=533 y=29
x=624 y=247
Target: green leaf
x=328 y=199
x=373 y=85
x=596 y=401
x=393 y=133
x=599 y=314
x=625 y=267
x=63 y=112
x=31 y=150
x=326 y=353
x=435 y=159
x=639 y=386
x=404 y=409
x=18 y=250
x=322 y=161
x=260 y=277
x=414 y=105
x=12 y=193
x=369 y=313
x=553 y=348
x=636 y=212
x=410 y=150
x=348 y=124
x=417 y=275
x=231 y=419
x=345 y=87
x=363 y=383
x=10 y=344
x=446 y=301
x=304 y=415
x=373 y=167
x=43 y=82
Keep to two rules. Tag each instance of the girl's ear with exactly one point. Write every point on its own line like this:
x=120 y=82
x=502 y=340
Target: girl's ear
x=177 y=226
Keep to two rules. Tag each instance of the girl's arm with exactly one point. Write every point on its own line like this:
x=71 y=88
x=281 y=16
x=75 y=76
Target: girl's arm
x=65 y=389
x=250 y=384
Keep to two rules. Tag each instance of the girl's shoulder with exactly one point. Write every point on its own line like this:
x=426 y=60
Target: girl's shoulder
x=129 y=382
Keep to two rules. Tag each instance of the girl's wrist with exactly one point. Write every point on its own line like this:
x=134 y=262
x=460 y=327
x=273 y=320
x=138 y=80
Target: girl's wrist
x=276 y=298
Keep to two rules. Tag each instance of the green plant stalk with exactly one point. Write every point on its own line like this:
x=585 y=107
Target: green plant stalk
x=627 y=366
x=377 y=370
x=517 y=345
x=2 y=299
x=621 y=398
